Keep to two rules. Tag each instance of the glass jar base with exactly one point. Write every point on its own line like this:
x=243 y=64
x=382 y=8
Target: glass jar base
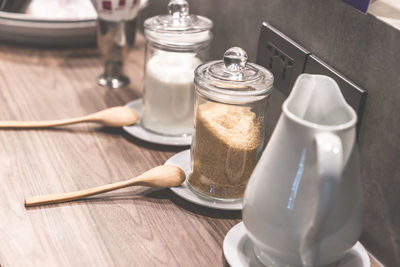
x=212 y=198
x=164 y=134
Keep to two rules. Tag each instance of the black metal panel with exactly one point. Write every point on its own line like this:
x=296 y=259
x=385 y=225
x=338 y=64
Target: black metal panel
x=282 y=56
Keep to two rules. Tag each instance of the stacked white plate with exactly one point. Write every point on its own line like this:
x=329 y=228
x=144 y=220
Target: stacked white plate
x=51 y=22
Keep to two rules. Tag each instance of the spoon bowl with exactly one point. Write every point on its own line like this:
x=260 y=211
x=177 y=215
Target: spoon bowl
x=116 y=116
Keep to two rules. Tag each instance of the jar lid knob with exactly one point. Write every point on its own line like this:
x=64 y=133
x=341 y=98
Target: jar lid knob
x=235 y=59
x=178 y=8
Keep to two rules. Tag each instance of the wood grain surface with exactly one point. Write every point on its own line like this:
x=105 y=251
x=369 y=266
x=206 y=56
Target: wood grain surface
x=131 y=227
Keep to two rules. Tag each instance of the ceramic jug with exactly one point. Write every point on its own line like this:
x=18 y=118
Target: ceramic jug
x=303 y=202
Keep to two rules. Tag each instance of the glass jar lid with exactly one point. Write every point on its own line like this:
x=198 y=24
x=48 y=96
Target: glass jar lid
x=233 y=79
x=178 y=28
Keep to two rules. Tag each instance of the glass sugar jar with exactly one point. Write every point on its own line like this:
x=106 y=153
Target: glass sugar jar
x=231 y=101
x=176 y=44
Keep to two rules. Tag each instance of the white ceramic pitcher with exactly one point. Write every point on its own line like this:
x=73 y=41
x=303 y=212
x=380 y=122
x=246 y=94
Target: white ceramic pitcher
x=303 y=203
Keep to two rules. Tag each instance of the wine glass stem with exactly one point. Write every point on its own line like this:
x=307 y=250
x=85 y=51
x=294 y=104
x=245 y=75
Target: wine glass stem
x=113 y=68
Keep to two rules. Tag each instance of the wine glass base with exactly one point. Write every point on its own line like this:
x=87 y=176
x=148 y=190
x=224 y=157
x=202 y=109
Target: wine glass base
x=113 y=82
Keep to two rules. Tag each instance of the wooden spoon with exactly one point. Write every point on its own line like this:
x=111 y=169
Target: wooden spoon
x=161 y=176
x=114 y=117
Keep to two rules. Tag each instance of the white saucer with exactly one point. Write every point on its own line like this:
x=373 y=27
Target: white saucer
x=182 y=160
x=138 y=131
x=238 y=251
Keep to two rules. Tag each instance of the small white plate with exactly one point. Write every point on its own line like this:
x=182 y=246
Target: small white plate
x=56 y=22
x=238 y=251
x=182 y=160
x=138 y=131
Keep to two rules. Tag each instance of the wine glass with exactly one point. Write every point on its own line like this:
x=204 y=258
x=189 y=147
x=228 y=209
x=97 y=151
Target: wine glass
x=116 y=30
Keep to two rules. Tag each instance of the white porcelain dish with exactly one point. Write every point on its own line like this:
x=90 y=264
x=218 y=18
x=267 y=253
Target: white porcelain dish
x=238 y=251
x=54 y=23
x=182 y=160
x=138 y=131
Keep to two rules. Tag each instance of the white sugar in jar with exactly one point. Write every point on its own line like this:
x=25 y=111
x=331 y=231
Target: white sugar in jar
x=169 y=92
x=175 y=45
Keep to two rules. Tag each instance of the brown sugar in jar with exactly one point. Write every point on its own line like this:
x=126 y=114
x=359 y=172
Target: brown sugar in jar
x=227 y=138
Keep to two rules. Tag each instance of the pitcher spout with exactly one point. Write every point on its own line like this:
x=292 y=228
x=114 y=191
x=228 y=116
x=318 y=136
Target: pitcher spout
x=316 y=100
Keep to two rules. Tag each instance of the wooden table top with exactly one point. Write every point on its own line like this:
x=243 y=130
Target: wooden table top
x=130 y=227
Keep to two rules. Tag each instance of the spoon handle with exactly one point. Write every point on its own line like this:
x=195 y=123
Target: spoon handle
x=42 y=124
x=65 y=197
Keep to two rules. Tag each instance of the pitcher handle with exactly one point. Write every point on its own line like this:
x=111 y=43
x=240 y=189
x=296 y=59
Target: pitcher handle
x=329 y=150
